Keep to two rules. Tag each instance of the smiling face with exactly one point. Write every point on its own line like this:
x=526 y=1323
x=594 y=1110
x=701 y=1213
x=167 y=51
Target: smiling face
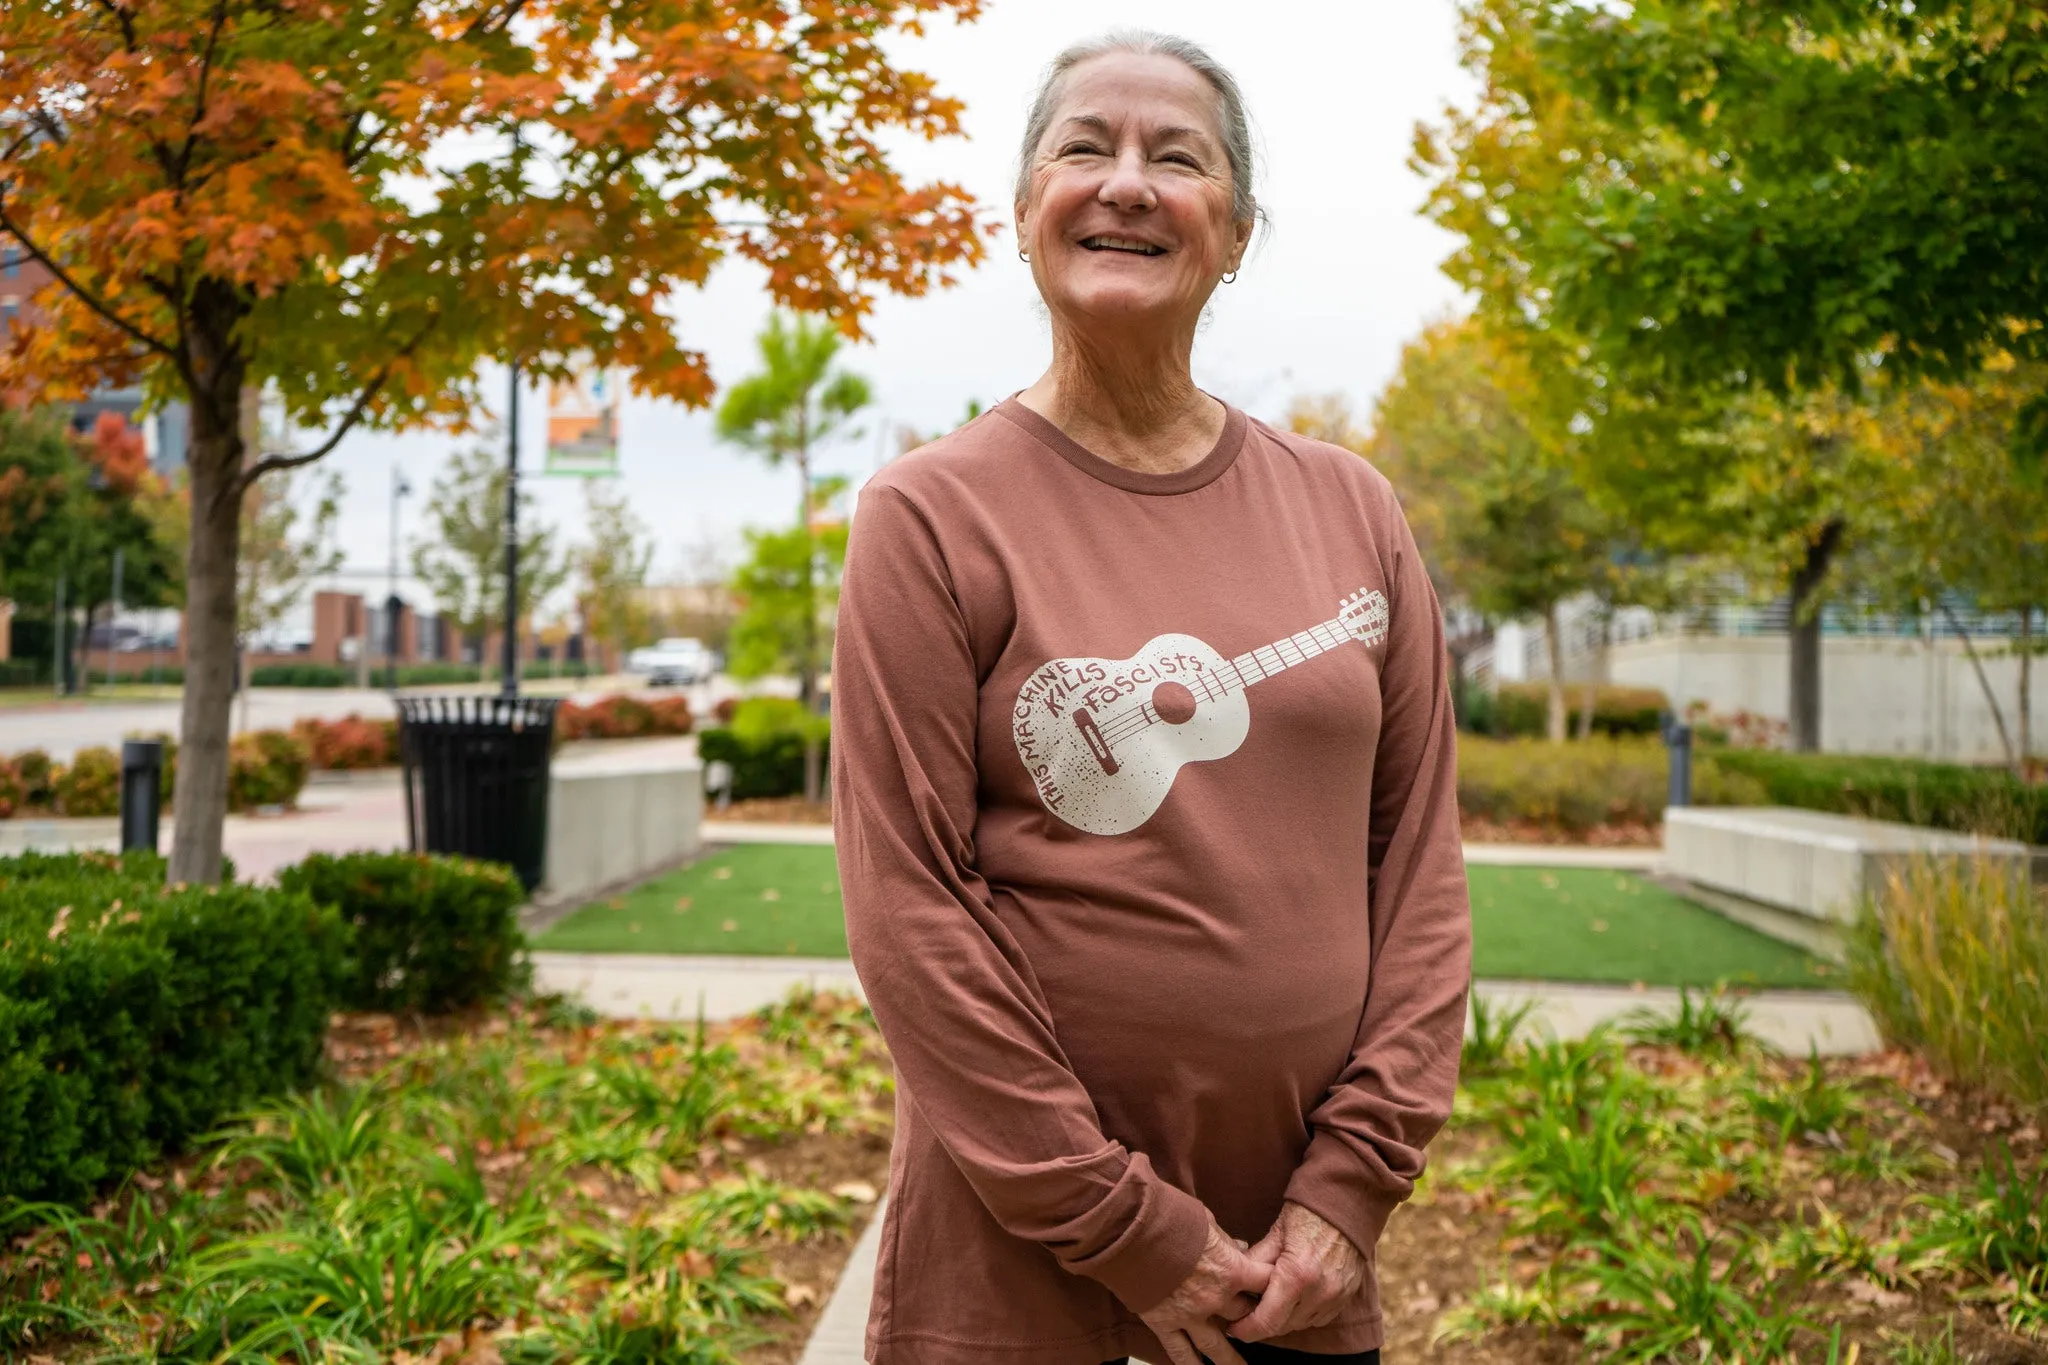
x=1128 y=217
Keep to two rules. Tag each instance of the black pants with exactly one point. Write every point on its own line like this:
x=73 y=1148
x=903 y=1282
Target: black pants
x=1259 y=1353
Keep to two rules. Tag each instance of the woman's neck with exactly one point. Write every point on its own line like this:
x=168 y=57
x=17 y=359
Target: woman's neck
x=1135 y=406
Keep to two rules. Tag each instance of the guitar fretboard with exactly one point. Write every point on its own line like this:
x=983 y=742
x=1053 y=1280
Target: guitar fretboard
x=1252 y=666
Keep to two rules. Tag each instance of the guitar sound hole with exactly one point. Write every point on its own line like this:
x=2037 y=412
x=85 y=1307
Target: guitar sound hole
x=1174 y=703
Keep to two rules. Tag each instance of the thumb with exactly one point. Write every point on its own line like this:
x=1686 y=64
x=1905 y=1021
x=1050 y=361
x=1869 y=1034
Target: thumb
x=1266 y=1251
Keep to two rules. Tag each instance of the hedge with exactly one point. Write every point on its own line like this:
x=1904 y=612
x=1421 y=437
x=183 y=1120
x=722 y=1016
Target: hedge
x=765 y=746
x=623 y=717
x=135 y=1016
x=265 y=768
x=1918 y=792
x=1523 y=709
x=1572 y=788
x=350 y=743
x=430 y=934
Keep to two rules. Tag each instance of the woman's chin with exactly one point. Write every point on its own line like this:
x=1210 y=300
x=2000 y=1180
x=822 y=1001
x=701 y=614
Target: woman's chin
x=1121 y=304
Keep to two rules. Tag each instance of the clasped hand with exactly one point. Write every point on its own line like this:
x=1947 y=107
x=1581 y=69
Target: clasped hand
x=1302 y=1274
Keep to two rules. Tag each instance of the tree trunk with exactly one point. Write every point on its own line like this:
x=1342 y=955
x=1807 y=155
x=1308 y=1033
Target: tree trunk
x=1595 y=674
x=1807 y=581
x=807 y=676
x=200 y=799
x=1556 y=722
x=2012 y=757
x=84 y=661
x=2026 y=690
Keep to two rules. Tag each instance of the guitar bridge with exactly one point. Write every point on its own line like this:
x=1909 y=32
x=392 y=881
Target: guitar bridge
x=1097 y=745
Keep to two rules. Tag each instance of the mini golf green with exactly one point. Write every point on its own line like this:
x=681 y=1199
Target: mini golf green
x=1531 y=923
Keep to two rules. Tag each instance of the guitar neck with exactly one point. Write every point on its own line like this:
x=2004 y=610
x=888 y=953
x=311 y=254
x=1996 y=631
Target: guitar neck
x=1257 y=665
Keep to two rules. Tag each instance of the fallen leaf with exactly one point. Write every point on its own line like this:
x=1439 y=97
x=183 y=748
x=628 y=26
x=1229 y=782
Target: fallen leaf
x=722 y=873
x=57 y=925
x=859 y=1191
x=1598 y=926
x=682 y=904
x=1876 y=1295
x=798 y=1295
x=771 y=894
x=730 y=926
x=632 y=928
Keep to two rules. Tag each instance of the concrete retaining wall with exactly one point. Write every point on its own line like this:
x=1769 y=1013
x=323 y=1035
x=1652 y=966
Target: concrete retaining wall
x=611 y=823
x=1805 y=861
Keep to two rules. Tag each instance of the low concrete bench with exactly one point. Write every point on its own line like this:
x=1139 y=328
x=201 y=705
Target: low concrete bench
x=1807 y=862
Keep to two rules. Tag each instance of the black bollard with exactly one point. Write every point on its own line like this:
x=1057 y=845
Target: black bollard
x=1678 y=743
x=142 y=768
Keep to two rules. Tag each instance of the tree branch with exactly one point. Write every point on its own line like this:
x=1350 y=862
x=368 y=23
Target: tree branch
x=271 y=464
x=65 y=278
x=184 y=158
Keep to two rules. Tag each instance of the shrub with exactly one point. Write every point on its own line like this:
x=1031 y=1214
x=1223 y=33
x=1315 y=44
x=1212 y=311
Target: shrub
x=301 y=675
x=90 y=784
x=36 y=772
x=765 y=746
x=1951 y=958
x=1572 y=788
x=13 y=791
x=431 y=934
x=351 y=743
x=135 y=1016
x=1941 y=795
x=1523 y=709
x=623 y=717
x=435 y=674
x=266 y=768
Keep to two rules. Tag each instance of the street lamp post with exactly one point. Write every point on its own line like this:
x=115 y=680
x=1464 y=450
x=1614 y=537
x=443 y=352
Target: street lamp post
x=508 y=683
x=399 y=488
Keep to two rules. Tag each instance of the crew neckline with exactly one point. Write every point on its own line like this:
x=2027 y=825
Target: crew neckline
x=1201 y=473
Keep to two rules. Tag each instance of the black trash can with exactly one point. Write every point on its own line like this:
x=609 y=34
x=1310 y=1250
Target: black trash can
x=476 y=777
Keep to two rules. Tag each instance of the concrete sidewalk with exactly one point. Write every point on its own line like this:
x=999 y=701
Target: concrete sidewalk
x=718 y=831
x=654 y=986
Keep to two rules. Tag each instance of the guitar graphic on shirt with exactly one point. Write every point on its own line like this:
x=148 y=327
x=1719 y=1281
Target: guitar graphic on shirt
x=1103 y=739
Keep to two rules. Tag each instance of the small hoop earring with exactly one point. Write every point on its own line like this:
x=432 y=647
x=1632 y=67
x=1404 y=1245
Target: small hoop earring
x=1230 y=278
x=1023 y=255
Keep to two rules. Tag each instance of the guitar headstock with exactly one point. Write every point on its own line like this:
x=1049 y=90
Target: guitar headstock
x=1363 y=615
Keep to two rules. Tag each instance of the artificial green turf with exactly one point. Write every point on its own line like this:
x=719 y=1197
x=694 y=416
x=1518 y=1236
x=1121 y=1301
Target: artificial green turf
x=1581 y=924
x=751 y=898
x=1541 y=924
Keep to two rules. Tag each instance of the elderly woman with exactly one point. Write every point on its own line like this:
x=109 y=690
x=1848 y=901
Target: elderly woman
x=1146 y=798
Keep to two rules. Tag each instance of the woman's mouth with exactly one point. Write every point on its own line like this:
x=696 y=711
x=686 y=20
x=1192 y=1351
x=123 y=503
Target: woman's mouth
x=1125 y=244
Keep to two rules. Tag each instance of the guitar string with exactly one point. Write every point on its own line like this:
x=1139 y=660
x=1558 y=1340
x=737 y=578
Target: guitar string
x=1125 y=724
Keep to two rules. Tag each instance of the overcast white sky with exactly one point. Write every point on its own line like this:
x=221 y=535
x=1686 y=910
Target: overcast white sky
x=1348 y=272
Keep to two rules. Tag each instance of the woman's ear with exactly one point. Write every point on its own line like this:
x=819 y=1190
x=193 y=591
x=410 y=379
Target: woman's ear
x=1020 y=214
x=1244 y=233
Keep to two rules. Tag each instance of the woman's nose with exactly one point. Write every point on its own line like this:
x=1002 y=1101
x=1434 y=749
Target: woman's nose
x=1127 y=186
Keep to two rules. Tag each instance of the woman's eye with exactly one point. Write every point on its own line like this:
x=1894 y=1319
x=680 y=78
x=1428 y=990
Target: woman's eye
x=1080 y=149
x=1182 y=159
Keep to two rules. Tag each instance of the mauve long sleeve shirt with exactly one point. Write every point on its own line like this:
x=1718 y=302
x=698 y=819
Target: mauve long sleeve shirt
x=1146 y=798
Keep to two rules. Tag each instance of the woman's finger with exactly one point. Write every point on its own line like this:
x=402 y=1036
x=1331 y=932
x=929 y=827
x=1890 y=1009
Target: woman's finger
x=1179 y=1348
x=1237 y=1308
x=1214 y=1345
x=1276 y=1305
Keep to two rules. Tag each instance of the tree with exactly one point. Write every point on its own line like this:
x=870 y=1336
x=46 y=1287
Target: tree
x=461 y=558
x=795 y=402
x=772 y=630
x=613 y=570
x=68 y=505
x=1471 y=437
x=1962 y=520
x=355 y=202
x=286 y=542
x=1744 y=192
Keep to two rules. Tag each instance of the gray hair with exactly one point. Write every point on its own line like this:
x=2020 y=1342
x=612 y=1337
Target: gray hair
x=1237 y=130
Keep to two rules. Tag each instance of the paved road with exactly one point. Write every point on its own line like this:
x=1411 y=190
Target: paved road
x=63 y=728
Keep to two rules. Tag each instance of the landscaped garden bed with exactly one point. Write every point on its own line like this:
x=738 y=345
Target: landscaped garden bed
x=1684 y=1196
x=529 y=1186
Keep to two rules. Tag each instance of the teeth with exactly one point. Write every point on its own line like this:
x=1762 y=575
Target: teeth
x=1122 y=244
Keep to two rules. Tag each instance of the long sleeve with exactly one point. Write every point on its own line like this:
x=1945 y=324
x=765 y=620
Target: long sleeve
x=1365 y=1151
x=973 y=1040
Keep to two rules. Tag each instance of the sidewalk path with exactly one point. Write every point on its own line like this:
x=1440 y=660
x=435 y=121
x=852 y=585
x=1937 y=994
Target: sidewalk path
x=1491 y=855
x=840 y=1338
x=659 y=986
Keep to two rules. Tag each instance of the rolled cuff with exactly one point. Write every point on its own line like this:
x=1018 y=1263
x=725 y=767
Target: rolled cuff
x=1336 y=1186
x=1159 y=1249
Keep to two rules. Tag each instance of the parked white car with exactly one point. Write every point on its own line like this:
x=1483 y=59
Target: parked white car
x=677 y=660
